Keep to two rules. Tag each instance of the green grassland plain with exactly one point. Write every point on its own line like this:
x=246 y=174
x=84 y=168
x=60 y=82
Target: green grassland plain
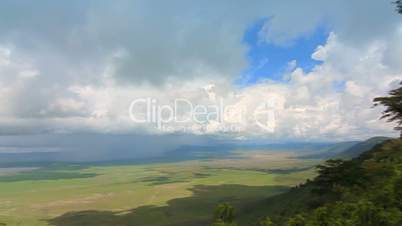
x=176 y=193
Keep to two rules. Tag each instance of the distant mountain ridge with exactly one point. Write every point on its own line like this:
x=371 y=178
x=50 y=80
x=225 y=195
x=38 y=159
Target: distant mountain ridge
x=330 y=151
x=346 y=150
x=361 y=147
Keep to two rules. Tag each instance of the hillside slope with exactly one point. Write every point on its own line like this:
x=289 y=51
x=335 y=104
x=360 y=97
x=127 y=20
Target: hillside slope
x=364 y=191
x=331 y=150
x=357 y=149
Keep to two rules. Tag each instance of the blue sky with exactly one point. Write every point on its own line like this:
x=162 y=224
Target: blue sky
x=270 y=61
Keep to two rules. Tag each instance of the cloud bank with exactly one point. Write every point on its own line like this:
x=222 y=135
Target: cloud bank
x=76 y=66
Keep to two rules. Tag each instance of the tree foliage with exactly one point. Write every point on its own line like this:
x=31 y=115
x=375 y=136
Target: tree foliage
x=224 y=215
x=266 y=222
x=297 y=220
x=399 y=6
x=393 y=107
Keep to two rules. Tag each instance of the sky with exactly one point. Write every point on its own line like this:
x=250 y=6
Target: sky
x=276 y=70
x=269 y=61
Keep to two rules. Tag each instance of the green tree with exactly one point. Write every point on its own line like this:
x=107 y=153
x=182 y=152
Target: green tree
x=297 y=220
x=321 y=216
x=398 y=192
x=336 y=174
x=393 y=107
x=267 y=222
x=224 y=213
x=219 y=222
x=368 y=214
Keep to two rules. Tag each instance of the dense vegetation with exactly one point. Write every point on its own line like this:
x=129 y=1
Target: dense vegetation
x=365 y=191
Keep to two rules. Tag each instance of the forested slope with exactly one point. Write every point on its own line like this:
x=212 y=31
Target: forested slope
x=364 y=191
